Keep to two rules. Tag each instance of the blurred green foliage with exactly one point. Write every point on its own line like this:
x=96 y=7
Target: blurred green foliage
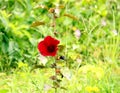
x=97 y=21
x=89 y=34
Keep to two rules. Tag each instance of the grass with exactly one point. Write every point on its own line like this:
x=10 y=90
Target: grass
x=99 y=78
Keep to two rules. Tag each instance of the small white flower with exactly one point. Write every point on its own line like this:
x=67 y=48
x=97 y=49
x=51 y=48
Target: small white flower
x=57 y=11
x=115 y=32
x=77 y=33
x=103 y=22
x=78 y=60
x=66 y=73
x=42 y=59
x=74 y=46
x=47 y=87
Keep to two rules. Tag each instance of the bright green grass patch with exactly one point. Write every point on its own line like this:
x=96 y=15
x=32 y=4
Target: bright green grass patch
x=100 y=78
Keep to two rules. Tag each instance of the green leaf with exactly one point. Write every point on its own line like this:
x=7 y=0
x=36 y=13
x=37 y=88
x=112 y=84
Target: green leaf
x=5 y=45
x=37 y=23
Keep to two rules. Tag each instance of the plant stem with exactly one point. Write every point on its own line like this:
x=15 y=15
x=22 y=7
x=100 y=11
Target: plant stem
x=55 y=90
x=55 y=87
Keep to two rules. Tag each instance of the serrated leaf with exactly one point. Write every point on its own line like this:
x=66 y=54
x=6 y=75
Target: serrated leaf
x=71 y=16
x=37 y=23
x=63 y=88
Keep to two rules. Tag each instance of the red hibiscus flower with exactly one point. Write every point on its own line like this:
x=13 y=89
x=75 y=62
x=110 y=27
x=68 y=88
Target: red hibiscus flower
x=48 y=47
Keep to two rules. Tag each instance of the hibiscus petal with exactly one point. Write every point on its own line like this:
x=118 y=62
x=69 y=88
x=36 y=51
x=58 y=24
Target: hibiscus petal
x=48 y=47
x=51 y=41
x=42 y=48
x=48 y=40
x=56 y=42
